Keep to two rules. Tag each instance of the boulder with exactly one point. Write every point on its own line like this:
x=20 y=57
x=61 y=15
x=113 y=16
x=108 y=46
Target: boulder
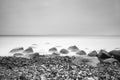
x=34 y=55
x=110 y=60
x=54 y=49
x=73 y=48
x=93 y=54
x=55 y=54
x=81 y=52
x=18 y=55
x=17 y=50
x=28 y=50
x=115 y=54
x=64 y=51
x=103 y=54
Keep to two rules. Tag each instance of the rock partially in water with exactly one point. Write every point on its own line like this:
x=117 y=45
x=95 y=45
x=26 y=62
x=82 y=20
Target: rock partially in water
x=55 y=54
x=115 y=54
x=18 y=55
x=81 y=52
x=28 y=50
x=93 y=54
x=103 y=54
x=34 y=55
x=73 y=48
x=64 y=51
x=17 y=50
x=53 y=50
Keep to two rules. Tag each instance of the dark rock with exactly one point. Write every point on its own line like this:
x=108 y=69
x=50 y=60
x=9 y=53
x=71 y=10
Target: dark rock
x=81 y=52
x=73 y=48
x=53 y=50
x=19 y=49
x=18 y=55
x=34 y=55
x=64 y=51
x=110 y=60
x=103 y=55
x=55 y=54
x=28 y=50
x=93 y=54
x=115 y=54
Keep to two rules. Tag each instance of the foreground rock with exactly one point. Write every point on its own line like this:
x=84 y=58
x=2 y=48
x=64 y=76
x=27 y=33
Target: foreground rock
x=73 y=48
x=86 y=60
x=93 y=54
x=17 y=50
x=81 y=52
x=103 y=55
x=110 y=60
x=115 y=54
x=53 y=50
x=64 y=51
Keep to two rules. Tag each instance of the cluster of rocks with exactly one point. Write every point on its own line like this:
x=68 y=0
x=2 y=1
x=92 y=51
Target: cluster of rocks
x=102 y=55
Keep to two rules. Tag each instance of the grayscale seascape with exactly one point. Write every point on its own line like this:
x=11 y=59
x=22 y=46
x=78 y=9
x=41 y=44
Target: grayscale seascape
x=59 y=39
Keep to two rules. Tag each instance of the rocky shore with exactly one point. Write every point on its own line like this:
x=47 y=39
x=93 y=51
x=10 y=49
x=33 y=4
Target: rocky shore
x=25 y=64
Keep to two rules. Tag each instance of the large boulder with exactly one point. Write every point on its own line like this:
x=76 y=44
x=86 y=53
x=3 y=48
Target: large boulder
x=103 y=54
x=28 y=50
x=93 y=54
x=81 y=52
x=115 y=54
x=73 y=48
x=17 y=50
x=64 y=51
x=93 y=61
x=53 y=50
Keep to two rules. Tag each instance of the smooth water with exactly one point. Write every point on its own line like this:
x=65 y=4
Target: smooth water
x=43 y=43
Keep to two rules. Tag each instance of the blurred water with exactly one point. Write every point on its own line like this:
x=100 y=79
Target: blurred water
x=43 y=43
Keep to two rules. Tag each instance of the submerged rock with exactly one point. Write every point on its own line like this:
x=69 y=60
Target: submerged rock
x=17 y=50
x=73 y=48
x=54 y=49
x=64 y=51
x=28 y=50
x=81 y=52
x=93 y=54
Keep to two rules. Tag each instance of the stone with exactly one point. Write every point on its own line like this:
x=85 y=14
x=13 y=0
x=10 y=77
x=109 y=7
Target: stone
x=93 y=54
x=103 y=54
x=64 y=51
x=17 y=50
x=54 y=49
x=73 y=48
x=81 y=52
x=110 y=60
x=18 y=55
x=28 y=50
x=115 y=54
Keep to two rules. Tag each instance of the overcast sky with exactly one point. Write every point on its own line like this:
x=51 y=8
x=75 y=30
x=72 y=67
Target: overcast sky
x=59 y=17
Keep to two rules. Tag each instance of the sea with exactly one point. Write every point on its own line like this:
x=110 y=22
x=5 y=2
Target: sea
x=42 y=44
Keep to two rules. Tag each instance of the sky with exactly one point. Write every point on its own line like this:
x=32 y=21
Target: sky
x=59 y=17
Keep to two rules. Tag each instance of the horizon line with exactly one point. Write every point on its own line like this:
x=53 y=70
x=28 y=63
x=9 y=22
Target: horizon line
x=50 y=35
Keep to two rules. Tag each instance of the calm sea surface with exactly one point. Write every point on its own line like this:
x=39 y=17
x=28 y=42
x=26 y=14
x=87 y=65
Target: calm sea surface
x=43 y=43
